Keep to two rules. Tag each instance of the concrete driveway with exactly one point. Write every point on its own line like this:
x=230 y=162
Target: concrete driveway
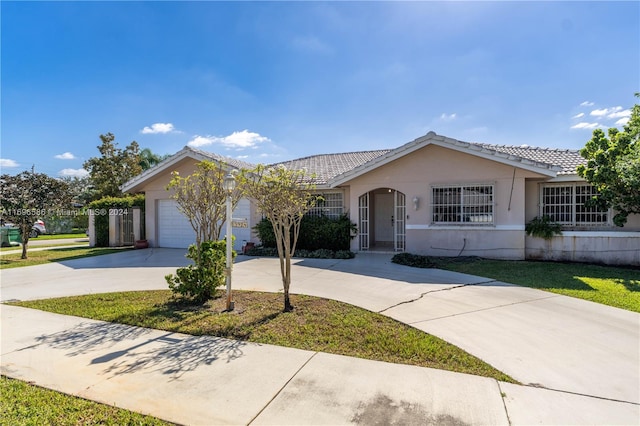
x=539 y=338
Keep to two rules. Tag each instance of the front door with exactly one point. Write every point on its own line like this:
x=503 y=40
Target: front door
x=384 y=220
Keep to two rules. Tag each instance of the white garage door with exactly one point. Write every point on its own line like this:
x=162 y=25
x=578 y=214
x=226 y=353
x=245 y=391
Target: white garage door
x=174 y=230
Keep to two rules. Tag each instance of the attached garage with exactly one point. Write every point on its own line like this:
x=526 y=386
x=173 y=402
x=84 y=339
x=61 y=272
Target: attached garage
x=174 y=229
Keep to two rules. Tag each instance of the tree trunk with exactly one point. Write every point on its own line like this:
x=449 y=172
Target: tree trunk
x=25 y=242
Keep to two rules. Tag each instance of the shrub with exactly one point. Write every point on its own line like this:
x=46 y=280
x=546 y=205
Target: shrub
x=199 y=282
x=543 y=227
x=309 y=254
x=101 y=214
x=316 y=232
x=415 y=260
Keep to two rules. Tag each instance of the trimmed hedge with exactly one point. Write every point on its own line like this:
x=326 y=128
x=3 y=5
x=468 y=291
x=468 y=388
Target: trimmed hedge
x=101 y=214
x=316 y=254
x=316 y=232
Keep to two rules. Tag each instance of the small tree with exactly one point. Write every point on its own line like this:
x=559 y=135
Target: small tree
x=283 y=196
x=28 y=196
x=113 y=168
x=201 y=198
x=613 y=167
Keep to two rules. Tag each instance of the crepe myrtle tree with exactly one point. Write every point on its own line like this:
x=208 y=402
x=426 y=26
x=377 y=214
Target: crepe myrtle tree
x=283 y=196
x=28 y=196
x=613 y=167
x=201 y=198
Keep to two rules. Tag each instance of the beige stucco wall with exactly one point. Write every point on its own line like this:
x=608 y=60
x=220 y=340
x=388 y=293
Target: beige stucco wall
x=612 y=248
x=414 y=174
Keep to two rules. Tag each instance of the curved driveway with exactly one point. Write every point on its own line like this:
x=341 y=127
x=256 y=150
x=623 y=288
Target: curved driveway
x=539 y=338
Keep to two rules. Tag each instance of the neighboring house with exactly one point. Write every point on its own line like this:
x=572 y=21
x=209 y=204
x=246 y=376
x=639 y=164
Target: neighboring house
x=435 y=196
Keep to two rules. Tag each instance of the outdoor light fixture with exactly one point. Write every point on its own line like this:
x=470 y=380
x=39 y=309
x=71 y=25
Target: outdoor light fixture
x=229 y=184
x=416 y=202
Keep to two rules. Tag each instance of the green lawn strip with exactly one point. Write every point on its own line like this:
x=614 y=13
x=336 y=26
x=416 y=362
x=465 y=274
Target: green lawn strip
x=61 y=236
x=54 y=255
x=25 y=404
x=608 y=285
x=31 y=247
x=315 y=324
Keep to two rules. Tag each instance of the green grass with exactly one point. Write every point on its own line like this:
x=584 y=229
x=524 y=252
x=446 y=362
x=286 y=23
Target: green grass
x=608 y=285
x=61 y=236
x=25 y=404
x=315 y=324
x=54 y=255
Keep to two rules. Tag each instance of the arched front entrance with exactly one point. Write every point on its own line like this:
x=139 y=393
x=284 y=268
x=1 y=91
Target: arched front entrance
x=382 y=220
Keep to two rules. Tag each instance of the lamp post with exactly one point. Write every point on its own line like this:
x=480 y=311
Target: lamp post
x=229 y=185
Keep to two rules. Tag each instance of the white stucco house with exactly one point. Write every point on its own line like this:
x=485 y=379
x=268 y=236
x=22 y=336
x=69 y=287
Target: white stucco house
x=434 y=195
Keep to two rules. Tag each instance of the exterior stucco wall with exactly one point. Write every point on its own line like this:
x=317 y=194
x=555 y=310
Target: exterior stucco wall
x=612 y=248
x=609 y=245
x=414 y=174
x=155 y=189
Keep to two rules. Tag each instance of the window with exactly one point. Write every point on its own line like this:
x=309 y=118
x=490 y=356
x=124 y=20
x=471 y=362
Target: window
x=462 y=204
x=331 y=205
x=565 y=204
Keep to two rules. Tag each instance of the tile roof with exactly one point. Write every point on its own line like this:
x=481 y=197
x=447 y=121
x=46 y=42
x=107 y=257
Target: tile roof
x=327 y=166
x=566 y=159
x=233 y=162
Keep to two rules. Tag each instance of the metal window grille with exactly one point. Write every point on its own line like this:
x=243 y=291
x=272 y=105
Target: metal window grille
x=462 y=204
x=331 y=205
x=565 y=204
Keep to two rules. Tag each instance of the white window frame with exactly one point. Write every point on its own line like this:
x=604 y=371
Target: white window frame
x=462 y=210
x=569 y=211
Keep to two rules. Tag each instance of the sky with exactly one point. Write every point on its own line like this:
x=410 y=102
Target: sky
x=273 y=81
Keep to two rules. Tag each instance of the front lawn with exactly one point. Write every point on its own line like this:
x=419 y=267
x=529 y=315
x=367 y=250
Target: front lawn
x=609 y=285
x=315 y=324
x=62 y=236
x=53 y=255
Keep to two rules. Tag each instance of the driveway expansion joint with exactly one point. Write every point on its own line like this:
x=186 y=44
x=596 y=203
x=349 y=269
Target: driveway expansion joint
x=282 y=388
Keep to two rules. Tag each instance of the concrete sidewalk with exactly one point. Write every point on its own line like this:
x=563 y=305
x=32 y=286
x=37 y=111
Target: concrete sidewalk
x=581 y=359
x=212 y=381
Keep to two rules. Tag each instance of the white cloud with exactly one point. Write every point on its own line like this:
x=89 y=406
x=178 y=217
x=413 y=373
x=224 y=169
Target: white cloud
x=5 y=162
x=65 y=156
x=586 y=103
x=605 y=111
x=583 y=125
x=238 y=140
x=620 y=114
x=311 y=44
x=73 y=172
x=158 y=128
x=448 y=117
x=242 y=157
x=622 y=121
x=578 y=115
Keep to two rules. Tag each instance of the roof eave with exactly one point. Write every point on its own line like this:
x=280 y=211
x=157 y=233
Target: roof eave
x=135 y=184
x=435 y=139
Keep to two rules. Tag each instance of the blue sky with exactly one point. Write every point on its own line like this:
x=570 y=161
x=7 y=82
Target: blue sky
x=272 y=81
